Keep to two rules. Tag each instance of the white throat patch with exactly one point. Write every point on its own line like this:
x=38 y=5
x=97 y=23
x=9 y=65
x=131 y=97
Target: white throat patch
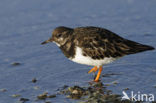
x=57 y=44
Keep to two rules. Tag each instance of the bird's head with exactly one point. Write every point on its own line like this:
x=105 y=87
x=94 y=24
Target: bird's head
x=59 y=35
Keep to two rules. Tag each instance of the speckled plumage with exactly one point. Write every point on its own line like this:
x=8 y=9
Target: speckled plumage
x=93 y=46
x=99 y=43
x=96 y=43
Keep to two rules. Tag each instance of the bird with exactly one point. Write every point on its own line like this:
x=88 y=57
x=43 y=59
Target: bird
x=93 y=46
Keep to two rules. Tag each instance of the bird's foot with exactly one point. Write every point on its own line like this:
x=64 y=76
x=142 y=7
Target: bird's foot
x=98 y=75
x=94 y=69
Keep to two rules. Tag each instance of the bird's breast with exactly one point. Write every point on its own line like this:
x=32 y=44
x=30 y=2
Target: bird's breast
x=80 y=58
x=68 y=50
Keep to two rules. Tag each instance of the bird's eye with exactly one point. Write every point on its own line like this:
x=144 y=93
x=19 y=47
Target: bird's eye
x=59 y=35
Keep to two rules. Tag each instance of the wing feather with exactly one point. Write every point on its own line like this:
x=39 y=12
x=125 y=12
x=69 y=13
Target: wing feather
x=99 y=43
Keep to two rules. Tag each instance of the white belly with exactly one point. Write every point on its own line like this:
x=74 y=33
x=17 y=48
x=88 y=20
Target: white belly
x=79 y=58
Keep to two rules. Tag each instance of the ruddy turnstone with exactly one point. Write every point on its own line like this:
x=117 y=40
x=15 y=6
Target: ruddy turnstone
x=93 y=46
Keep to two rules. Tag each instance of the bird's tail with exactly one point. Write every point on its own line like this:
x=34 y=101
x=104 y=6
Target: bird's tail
x=142 y=48
x=137 y=47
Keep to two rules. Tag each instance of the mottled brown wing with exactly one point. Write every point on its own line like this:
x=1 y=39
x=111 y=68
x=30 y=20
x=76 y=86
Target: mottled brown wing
x=99 y=48
x=99 y=43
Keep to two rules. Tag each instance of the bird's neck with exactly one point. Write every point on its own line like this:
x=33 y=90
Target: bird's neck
x=68 y=49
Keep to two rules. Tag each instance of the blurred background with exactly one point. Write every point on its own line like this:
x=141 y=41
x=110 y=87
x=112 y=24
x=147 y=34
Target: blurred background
x=24 y=24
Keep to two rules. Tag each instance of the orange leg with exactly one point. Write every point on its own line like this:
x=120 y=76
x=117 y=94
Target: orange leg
x=98 y=75
x=94 y=69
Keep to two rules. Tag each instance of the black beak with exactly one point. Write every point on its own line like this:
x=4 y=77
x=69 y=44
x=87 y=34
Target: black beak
x=47 y=41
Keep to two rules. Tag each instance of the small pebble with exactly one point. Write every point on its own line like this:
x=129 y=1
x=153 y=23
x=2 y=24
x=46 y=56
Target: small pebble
x=115 y=82
x=36 y=87
x=42 y=96
x=16 y=64
x=45 y=96
x=3 y=90
x=34 y=80
x=16 y=95
x=23 y=100
x=51 y=96
x=126 y=89
x=75 y=92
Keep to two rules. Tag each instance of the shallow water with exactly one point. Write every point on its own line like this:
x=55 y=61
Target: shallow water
x=25 y=24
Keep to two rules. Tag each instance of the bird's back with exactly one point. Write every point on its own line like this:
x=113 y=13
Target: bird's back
x=99 y=42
